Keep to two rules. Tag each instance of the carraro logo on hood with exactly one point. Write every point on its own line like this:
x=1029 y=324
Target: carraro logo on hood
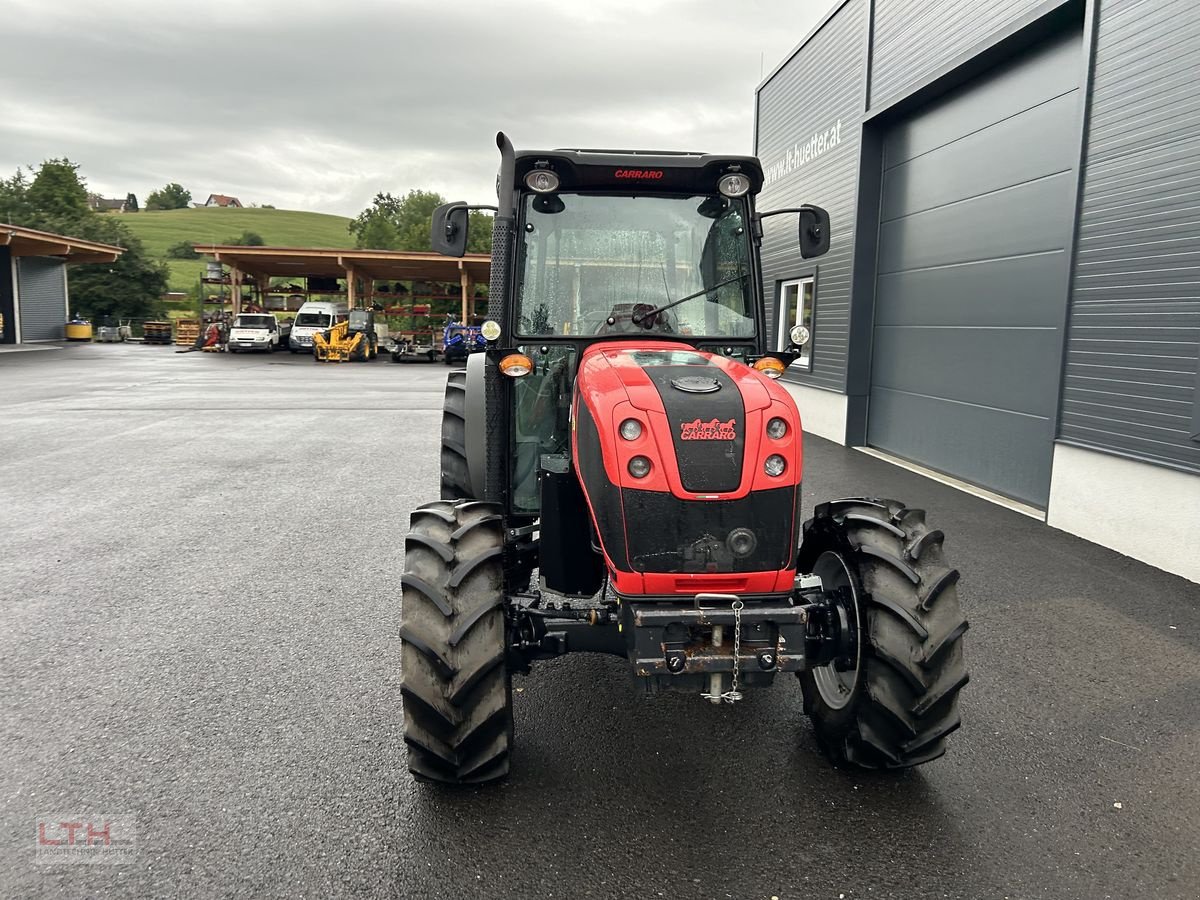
x=716 y=430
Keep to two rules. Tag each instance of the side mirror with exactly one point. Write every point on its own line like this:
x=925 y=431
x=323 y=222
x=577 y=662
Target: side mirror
x=448 y=235
x=814 y=231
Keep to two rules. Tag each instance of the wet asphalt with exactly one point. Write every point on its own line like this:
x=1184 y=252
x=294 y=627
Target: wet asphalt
x=199 y=598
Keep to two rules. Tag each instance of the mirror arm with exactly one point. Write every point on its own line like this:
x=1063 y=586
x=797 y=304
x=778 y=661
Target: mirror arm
x=780 y=212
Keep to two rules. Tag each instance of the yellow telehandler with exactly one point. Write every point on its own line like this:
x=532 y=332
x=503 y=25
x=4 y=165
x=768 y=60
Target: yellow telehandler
x=351 y=340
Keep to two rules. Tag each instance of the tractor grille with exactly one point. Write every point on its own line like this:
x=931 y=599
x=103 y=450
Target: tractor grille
x=667 y=534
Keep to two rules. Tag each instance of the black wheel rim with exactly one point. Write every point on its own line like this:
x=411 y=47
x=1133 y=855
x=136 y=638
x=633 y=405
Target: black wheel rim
x=837 y=685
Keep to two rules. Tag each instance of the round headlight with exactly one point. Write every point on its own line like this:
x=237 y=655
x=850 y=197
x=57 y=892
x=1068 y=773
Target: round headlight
x=800 y=335
x=775 y=465
x=741 y=542
x=639 y=467
x=733 y=185
x=631 y=429
x=543 y=181
x=776 y=428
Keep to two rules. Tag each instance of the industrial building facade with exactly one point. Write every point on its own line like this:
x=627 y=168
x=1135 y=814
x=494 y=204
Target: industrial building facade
x=34 y=298
x=1012 y=294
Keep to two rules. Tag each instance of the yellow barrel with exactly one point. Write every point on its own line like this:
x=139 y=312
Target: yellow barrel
x=79 y=331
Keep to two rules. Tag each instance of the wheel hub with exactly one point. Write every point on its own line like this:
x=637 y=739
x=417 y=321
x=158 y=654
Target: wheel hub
x=836 y=681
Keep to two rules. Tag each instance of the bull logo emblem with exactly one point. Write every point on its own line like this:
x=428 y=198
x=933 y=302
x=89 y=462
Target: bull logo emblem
x=716 y=430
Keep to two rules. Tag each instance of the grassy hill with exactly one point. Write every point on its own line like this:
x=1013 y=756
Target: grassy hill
x=161 y=229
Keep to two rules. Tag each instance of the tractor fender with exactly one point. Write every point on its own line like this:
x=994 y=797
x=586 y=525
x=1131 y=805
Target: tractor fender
x=476 y=423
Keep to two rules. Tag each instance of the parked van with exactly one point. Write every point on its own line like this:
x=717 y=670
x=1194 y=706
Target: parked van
x=314 y=316
x=256 y=331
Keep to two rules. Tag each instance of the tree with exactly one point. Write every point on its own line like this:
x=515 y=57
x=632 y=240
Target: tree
x=132 y=286
x=171 y=196
x=14 y=199
x=246 y=239
x=57 y=192
x=131 y=204
x=402 y=223
x=378 y=233
x=182 y=250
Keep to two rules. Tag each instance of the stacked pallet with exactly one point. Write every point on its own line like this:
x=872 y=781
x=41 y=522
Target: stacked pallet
x=156 y=332
x=186 y=332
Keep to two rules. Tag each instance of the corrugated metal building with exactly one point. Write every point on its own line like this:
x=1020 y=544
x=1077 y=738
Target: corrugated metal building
x=1012 y=294
x=33 y=281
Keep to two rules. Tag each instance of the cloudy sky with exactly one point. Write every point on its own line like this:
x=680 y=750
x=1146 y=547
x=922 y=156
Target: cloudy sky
x=312 y=104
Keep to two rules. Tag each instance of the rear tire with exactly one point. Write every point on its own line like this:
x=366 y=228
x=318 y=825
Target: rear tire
x=458 y=721
x=894 y=703
x=456 y=477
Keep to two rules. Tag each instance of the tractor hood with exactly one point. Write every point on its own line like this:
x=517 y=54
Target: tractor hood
x=703 y=414
x=673 y=492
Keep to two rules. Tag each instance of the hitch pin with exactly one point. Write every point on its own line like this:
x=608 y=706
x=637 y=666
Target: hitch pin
x=714 y=678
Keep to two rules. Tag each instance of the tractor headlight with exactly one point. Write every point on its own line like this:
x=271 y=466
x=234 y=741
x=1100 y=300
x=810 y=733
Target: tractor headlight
x=639 y=467
x=631 y=429
x=776 y=428
x=542 y=181
x=733 y=185
x=775 y=465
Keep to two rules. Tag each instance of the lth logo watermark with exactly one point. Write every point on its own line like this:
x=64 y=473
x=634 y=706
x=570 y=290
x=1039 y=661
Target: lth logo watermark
x=90 y=839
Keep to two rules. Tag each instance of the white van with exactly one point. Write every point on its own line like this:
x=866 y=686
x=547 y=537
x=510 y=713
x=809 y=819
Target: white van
x=255 y=331
x=314 y=316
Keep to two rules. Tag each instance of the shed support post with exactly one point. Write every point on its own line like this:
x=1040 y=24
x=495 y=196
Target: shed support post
x=235 y=289
x=465 y=281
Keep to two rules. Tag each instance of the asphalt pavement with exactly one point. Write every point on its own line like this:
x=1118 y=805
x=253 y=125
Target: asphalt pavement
x=199 y=599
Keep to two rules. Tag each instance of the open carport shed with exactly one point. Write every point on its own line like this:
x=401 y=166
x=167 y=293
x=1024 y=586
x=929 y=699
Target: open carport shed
x=33 y=281
x=360 y=269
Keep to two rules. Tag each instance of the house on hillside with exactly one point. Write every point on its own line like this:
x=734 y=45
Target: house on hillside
x=223 y=201
x=102 y=204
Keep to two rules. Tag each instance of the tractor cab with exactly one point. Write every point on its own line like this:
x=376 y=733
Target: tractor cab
x=361 y=321
x=611 y=246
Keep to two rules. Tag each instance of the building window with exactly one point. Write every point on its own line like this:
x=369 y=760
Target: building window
x=796 y=308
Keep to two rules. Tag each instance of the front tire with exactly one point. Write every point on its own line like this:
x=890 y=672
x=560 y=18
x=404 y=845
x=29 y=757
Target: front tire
x=456 y=476
x=890 y=702
x=458 y=721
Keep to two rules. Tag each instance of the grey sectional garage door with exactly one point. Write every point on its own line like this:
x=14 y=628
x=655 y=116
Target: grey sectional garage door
x=42 y=298
x=972 y=273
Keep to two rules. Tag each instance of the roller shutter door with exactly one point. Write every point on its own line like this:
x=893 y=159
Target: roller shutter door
x=42 y=298
x=978 y=195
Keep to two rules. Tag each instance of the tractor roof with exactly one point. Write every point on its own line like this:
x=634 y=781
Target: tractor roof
x=638 y=171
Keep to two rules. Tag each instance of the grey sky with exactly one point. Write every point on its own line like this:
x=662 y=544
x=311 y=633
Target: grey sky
x=318 y=105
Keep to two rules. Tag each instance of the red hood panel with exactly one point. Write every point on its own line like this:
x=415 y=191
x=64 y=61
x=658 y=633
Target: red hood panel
x=627 y=361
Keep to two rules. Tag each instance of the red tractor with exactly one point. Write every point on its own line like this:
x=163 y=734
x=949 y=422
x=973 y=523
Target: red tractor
x=623 y=436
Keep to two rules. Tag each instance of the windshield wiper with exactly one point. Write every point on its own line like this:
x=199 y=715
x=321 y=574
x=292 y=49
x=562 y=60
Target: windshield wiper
x=639 y=318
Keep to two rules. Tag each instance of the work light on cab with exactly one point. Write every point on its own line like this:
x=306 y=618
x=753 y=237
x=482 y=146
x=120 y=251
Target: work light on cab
x=733 y=185
x=800 y=335
x=516 y=364
x=542 y=181
x=770 y=366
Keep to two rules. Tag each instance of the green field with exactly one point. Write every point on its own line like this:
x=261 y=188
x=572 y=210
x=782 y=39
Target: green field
x=279 y=228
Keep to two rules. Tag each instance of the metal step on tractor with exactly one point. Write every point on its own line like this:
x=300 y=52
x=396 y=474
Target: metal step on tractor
x=624 y=437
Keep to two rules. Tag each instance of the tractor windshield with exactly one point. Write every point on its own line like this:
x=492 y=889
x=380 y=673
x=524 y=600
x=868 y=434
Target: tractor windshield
x=597 y=264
